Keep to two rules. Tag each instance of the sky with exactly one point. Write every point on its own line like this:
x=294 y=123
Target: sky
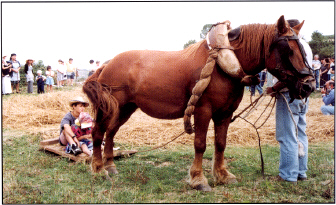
x=100 y=30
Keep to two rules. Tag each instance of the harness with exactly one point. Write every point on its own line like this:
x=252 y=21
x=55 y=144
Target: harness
x=302 y=51
x=295 y=79
x=216 y=46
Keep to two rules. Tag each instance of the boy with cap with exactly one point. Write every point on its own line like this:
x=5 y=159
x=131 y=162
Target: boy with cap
x=82 y=129
x=66 y=134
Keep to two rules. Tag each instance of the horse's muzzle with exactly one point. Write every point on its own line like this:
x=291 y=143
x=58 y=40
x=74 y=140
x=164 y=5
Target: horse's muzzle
x=303 y=88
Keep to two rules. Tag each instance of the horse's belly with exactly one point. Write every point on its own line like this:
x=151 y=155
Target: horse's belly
x=162 y=103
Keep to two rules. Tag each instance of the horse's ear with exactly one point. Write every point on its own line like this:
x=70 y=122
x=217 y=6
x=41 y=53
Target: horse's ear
x=298 y=27
x=281 y=25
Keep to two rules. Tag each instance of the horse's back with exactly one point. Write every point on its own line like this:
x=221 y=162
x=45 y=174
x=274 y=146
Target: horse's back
x=159 y=82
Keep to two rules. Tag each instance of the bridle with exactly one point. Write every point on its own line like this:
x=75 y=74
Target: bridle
x=279 y=66
x=298 y=78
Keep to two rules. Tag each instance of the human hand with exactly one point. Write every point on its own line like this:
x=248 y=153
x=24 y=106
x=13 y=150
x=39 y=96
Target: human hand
x=270 y=91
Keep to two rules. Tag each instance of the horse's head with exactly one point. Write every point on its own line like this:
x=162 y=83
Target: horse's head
x=287 y=60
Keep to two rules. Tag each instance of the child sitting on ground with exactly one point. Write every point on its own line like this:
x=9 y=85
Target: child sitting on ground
x=82 y=130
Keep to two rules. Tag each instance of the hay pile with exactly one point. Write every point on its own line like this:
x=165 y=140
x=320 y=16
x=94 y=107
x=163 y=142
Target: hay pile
x=42 y=114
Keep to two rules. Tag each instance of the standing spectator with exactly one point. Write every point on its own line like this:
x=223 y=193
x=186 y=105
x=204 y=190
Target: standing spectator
x=50 y=79
x=325 y=67
x=40 y=82
x=61 y=71
x=28 y=69
x=15 y=74
x=328 y=95
x=332 y=68
x=6 y=68
x=316 y=66
x=293 y=150
x=71 y=69
x=92 y=68
x=97 y=64
x=262 y=76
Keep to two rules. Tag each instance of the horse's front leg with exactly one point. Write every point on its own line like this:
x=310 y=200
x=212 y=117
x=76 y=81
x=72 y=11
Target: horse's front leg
x=197 y=179
x=220 y=173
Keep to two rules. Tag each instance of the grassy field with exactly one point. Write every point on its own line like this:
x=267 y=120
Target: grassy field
x=159 y=176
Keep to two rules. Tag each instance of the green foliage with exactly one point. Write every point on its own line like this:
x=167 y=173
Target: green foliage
x=205 y=30
x=159 y=176
x=190 y=42
x=322 y=45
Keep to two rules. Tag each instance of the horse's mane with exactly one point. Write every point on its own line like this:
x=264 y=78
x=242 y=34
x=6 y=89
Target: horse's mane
x=255 y=40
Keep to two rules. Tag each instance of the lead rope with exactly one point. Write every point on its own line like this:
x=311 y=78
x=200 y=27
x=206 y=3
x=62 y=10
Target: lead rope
x=300 y=145
x=255 y=102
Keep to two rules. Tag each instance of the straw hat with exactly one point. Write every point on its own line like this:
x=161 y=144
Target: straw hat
x=39 y=71
x=78 y=100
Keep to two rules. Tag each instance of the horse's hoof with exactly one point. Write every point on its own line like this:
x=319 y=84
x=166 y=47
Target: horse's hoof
x=231 y=181
x=111 y=170
x=96 y=168
x=202 y=187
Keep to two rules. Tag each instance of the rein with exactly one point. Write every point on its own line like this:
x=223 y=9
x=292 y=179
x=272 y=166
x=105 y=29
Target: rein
x=164 y=143
x=253 y=106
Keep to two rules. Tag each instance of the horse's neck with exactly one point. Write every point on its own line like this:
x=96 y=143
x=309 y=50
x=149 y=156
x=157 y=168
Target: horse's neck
x=253 y=45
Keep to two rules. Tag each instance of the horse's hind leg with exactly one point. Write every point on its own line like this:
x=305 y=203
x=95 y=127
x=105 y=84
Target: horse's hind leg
x=97 y=137
x=220 y=173
x=125 y=113
x=197 y=179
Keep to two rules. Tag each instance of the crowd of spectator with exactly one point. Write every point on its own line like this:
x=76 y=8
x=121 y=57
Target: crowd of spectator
x=64 y=74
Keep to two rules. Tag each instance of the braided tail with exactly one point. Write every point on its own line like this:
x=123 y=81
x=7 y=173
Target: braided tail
x=199 y=88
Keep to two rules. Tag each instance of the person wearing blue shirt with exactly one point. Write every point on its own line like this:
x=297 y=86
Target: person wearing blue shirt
x=328 y=98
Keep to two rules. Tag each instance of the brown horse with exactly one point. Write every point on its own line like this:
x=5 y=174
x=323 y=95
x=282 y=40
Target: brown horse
x=160 y=84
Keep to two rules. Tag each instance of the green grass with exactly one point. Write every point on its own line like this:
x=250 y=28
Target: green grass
x=159 y=176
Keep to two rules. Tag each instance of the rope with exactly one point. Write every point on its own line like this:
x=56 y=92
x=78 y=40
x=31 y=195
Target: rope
x=255 y=102
x=301 y=148
x=164 y=143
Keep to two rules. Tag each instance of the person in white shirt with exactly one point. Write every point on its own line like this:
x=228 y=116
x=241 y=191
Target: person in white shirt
x=92 y=68
x=316 y=67
x=61 y=72
x=50 y=79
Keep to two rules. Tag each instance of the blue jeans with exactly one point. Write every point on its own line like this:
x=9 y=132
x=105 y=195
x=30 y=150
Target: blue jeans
x=328 y=110
x=291 y=165
x=258 y=87
x=317 y=78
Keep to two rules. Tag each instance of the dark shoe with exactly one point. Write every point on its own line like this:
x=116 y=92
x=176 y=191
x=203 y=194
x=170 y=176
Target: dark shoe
x=302 y=179
x=279 y=179
x=75 y=150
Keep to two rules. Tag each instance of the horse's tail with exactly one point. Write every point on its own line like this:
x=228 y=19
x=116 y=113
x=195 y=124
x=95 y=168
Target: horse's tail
x=104 y=104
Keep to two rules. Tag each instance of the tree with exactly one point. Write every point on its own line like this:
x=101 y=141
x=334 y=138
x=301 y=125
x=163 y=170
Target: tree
x=322 y=45
x=205 y=30
x=190 y=42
